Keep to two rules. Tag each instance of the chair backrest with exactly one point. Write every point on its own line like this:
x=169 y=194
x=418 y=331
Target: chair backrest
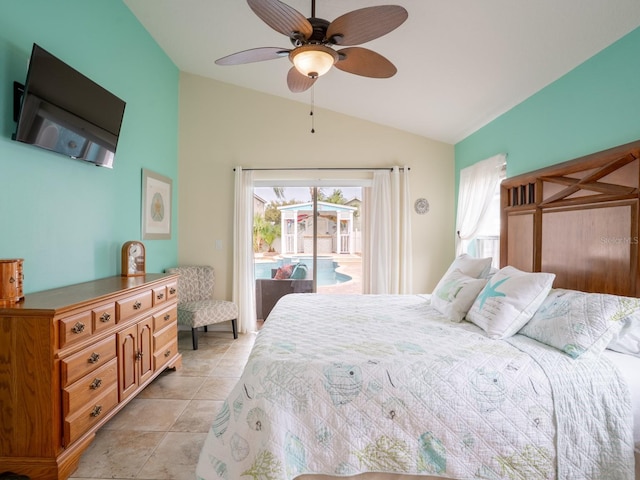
x=195 y=282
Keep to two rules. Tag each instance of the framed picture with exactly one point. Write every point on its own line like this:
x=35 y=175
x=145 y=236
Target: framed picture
x=156 y=206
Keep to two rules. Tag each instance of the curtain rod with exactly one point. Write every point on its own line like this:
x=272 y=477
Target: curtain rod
x=322 y=168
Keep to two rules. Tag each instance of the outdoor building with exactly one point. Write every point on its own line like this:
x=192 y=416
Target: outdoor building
x=258 y=205
x=357 y=215
x=335 y=232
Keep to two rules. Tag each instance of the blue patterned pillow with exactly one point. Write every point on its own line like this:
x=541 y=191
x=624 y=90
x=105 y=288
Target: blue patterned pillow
x=509 y=300
x=578 y=322
x=455 y=293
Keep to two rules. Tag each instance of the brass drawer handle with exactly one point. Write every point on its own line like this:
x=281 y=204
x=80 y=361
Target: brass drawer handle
x=167 y=317
x=97 y=383
x=105 y=317
x=94 y=358
x=139 y=355
x=172 y=290
x=78 y=328
x=137 y=305
x=167 y=353
x=97 y=410
x=160 y=296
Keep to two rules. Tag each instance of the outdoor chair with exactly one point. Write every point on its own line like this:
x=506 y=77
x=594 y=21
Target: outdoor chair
x=196 y=305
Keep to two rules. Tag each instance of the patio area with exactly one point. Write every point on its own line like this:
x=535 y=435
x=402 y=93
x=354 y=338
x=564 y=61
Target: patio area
x=348 y=264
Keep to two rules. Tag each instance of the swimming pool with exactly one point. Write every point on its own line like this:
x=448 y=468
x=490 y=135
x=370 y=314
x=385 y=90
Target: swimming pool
x=327 y=274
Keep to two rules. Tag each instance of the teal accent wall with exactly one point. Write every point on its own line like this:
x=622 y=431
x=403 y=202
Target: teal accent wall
x=68 y=219
x=593 y=107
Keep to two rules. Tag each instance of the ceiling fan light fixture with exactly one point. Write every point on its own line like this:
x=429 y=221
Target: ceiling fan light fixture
x=313 y=60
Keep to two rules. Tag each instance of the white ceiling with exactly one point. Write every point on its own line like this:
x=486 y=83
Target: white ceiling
x=461 y=63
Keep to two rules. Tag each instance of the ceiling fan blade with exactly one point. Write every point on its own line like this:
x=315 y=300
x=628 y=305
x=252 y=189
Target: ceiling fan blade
x=364 y=62
x=298 y=82
x=365 y=24
x=253 y=55
x=281 y=17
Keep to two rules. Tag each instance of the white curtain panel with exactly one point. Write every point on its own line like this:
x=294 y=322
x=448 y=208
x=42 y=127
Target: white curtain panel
x=478 y=183
x=377 y=254
x=243 y=276
x=405 y=276
x=387 y=243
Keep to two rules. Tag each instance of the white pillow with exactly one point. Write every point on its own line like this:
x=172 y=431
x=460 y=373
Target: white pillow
x=628 y=338
x=471 y=266
x=509 y=300
x=579 y=322
x=455 y=293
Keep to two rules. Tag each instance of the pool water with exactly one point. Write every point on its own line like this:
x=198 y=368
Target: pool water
x=327 y=274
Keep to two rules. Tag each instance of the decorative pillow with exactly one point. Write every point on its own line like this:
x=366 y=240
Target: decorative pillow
x=455 y=294
x=468 y=265
x=299 y=272
x=509 y=300
x=628 y=338
x=284 y=272
x=578 y=322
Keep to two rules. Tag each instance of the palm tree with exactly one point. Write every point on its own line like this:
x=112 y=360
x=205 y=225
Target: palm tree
x=336 y=197
x=269 y=232
x=279 y=192
x=264 y=233
x=258 y=226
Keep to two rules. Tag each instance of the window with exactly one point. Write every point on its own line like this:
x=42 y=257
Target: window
x=478 y=217
x=486 y=243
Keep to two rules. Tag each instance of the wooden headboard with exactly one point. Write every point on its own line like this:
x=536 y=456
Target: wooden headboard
x=577 y=219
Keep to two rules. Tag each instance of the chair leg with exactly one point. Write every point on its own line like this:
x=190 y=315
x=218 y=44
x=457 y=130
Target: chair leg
x=194 y=336
x=235 y=328
x=206 y=328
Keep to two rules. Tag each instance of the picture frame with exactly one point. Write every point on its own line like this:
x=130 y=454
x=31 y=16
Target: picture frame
x=156 y=206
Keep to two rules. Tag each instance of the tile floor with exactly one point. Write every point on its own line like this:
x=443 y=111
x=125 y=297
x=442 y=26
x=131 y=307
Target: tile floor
x=159 y=434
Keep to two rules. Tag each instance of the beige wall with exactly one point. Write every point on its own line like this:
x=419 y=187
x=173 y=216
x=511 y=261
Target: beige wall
x=222 y=126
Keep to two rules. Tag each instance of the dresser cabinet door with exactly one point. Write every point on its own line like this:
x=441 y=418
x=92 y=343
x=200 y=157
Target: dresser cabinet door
x=145 y=352
x=127 y=361
x=135 y=356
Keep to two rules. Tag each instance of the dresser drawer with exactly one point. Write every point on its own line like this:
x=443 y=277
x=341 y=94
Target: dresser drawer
x=86 y=361
x=172 y=290
x=164 y=336
x=159 y=295
x=132 y=306
x=75 y=328
x=85 y=418
x=103 y=317
x=80 y=393
x=164 y=318
x=166 y=353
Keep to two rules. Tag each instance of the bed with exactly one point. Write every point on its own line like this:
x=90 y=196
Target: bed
x=492 y=376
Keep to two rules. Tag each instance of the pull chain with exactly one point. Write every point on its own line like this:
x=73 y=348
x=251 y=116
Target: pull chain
x=313 y=122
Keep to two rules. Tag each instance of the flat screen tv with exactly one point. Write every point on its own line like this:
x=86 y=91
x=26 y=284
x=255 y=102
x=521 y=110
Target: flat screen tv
x=63 y=111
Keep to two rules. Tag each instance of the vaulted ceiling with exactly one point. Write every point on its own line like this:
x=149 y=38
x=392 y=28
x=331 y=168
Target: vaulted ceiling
x=461 y=63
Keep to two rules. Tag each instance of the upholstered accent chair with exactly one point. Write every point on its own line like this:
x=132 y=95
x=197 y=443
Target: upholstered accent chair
x=196 y=305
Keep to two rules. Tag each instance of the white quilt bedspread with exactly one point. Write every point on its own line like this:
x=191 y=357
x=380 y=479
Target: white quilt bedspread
x=340 y=385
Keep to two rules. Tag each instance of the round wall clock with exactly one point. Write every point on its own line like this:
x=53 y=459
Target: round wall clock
x=421 y=206
x=133 y=259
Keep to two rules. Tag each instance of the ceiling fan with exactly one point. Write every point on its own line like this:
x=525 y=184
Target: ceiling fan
x=313 y=40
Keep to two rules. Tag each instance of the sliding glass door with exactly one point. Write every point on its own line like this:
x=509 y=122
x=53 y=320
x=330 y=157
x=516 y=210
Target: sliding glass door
x=309 y=236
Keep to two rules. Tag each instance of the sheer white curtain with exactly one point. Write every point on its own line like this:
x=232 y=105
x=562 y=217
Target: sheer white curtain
x=387 y=258
x=478 y=184
x=243 y=272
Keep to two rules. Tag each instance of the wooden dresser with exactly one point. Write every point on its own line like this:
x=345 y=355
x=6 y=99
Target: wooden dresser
x=71 y=358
